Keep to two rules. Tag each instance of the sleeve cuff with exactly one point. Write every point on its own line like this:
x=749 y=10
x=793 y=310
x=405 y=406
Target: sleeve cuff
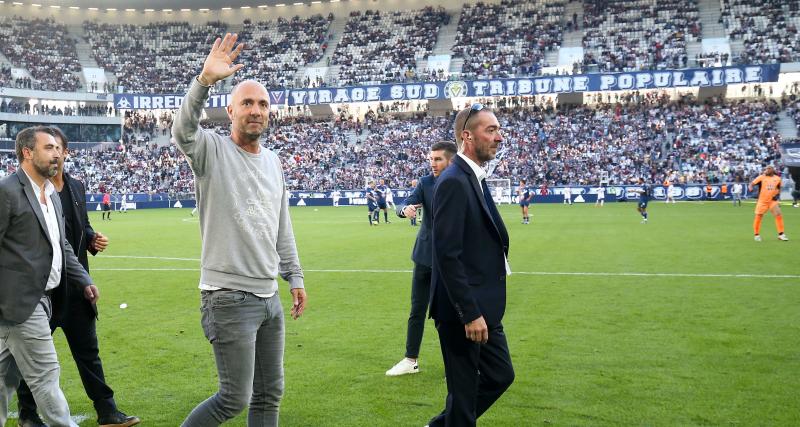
x=296 y=282
x=197 y=88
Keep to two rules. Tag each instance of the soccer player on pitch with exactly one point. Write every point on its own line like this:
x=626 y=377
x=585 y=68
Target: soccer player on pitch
x=644 y=198
x=524 y=197
x=768 y=195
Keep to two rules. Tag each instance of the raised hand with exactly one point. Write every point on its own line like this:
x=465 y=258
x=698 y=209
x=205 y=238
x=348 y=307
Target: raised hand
x=219 y=62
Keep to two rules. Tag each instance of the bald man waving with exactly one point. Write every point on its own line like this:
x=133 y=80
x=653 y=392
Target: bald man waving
x=247 y=243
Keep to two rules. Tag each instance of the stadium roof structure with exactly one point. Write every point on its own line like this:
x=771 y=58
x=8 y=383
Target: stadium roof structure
x=163 y=5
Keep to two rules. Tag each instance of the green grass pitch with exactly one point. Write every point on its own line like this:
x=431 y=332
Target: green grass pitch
x=682 y=321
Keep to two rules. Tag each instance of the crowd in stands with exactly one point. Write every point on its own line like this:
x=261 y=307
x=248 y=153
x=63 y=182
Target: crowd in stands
x=631 y=35
x=767 y=29
x=147 y=169
x=152 y=58
x=620 y=138
x=379 y=46
x=6 y=79
x=45 y=49
x=15 y=107
x=278 y=49
x=509 y=38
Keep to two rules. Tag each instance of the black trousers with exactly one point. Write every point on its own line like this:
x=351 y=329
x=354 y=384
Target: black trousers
x=477 y=375
x=79 y=328
x=420 y=294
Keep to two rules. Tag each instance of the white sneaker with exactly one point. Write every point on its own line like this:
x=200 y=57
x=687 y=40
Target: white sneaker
x=783 y=237
x=757 y=238
x=403 y=367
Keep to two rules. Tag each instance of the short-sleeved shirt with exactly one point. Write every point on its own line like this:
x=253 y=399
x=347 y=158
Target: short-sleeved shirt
x=644 y=196
x=770 y=188
x=371 y=201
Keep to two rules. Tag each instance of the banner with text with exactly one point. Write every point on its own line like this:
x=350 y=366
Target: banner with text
x=656 y=79
x=653 y=79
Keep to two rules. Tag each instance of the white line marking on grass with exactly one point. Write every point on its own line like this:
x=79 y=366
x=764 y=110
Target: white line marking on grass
x=527 y=273
x=151 y=257
x=79 y=418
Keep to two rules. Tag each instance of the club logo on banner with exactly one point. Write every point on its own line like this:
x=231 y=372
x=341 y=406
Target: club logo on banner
x=455 y=89
x=123 y=103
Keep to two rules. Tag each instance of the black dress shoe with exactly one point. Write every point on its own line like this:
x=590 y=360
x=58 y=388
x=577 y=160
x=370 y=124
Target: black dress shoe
x=117 y=419
x=27 y=419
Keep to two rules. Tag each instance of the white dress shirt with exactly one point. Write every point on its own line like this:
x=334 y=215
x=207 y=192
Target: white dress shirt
x=53 y=232
x=481 y=175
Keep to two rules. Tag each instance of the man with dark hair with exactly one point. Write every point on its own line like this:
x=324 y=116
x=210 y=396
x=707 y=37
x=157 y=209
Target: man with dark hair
x=78 y=321
x=644 y=198
x=37 y=261
x=468 y=287
x=440 y=156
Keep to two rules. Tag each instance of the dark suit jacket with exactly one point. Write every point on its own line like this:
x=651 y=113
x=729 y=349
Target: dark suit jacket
x=82 y=232
x=422 y=194
x=81 y=235
x=469 y=250
x=26 y=252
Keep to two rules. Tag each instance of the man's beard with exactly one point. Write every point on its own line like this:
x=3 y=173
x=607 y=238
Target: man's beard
x=485 y=154
x=47 y=170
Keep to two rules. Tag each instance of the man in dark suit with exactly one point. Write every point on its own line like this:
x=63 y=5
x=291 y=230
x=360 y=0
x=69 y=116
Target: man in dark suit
x=468 y=291
x=35 y=261
x=78 y=321
x=422 y=197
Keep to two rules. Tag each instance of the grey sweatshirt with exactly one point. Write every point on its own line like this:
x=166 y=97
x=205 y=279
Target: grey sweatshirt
x=243 y=205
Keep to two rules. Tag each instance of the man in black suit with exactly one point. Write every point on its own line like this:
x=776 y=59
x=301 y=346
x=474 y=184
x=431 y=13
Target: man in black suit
x=35 y=262
x=78 y=321
x=422 y=197
x=468 y=291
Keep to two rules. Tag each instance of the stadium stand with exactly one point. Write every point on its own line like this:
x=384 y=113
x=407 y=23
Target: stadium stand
x=11 y=106
x=622 y=35
x=45 y=49
x=508 y=39
x=625 y=138
x=384 y=47
x=278 y=49
x=768 y=29
x=152 y=58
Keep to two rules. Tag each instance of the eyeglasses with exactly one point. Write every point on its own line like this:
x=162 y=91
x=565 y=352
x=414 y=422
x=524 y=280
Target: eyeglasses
x=472 y=109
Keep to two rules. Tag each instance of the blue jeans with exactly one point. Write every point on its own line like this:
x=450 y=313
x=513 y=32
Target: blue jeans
x=27 y=351
x=247 y=335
